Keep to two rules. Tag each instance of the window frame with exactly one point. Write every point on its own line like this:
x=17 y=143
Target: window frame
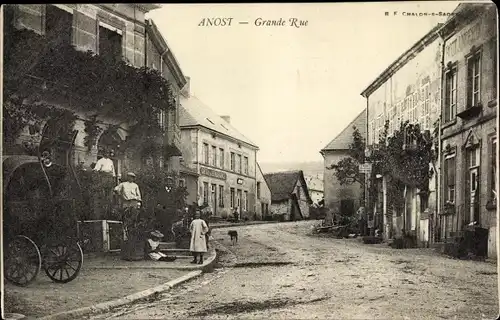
x=450 y=93
x=470 y=85
x=492 y=169
x=446 y=185
x=214 y=156
x=221 y=196
x=205 y=153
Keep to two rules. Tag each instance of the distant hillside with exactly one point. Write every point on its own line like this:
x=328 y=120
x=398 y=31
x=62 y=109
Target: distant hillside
x=312 y=168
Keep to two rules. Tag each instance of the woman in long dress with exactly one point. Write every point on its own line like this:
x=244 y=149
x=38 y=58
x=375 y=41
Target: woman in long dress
x=198 y=244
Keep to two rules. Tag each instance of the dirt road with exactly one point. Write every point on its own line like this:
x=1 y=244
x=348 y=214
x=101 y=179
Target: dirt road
x=279 y=271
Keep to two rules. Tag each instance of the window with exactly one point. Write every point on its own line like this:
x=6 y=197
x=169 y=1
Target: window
x=449 y=185
x=233 y=161
x=58 y=24
x=246 y=201
x=221 y=196
x=298 y=192
x=205 y=192
x=238 y=200
x=205 y=153
x=493 y=169
x=213 y=199
x=182 y=183
x=246 y=166
x=110 y=42
x=450 y=103
x=425 y=113
x=232 y=198
x=474 y=80
x=214 y=156
x=258 y=190
x=239 y=163
x=221 y=158
x=162 y=119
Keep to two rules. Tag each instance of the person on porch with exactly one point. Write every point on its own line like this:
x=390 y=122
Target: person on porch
x=198 y=244
x=105 y=166
x=130 y=197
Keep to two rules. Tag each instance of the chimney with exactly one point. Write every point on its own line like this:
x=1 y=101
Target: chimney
x=226 y=118
x=186 y=90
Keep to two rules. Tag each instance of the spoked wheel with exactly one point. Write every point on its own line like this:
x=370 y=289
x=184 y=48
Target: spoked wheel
x=22 y=261
x=63 y=261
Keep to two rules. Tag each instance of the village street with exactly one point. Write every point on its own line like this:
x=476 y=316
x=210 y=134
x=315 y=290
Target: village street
x=279 y=271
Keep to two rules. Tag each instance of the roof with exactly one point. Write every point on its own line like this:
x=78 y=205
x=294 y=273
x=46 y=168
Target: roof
x=344 y=138
x=164 y=49
x=193 y=112
x=402 y=60
x=282 y=184
x=187 y=170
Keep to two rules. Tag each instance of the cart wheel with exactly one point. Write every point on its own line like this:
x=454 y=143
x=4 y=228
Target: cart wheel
x=63 y=261
x=22 y=261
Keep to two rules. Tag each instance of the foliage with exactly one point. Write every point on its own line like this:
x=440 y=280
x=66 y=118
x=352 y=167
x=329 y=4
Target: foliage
x=18 y=113
x=404 y=158
x=153 y=183
x=92 y=130
x=106 y=85
x=347 y=169
x=92 y=187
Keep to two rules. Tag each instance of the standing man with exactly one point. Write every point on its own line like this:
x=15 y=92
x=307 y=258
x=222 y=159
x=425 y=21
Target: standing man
x=362 y=221
x=131 y=200
x=198 y=244
x=105 y=166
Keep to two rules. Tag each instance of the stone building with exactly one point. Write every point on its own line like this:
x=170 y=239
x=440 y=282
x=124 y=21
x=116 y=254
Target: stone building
x=159 y=56
x=109 y=30
x=224 y=159
x=408 y=90
x=290 y=197
x=342 y=198
x=469 y=126
x=263 y=196
x=115 y=33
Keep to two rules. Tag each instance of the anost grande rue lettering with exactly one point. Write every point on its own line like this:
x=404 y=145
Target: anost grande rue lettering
x=259 y=22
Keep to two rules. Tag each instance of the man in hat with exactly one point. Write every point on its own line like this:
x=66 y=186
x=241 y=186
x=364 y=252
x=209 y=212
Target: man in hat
x=130 y=197
x=153 y=247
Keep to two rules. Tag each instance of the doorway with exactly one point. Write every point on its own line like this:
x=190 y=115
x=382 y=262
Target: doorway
x=214 y=199
x=471 y=213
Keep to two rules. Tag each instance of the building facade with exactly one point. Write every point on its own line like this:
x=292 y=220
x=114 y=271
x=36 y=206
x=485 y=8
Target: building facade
x=409 y=90
x=348 y=197
x=160 y=57
x=290 y=199
x=263 y=196
x=109 y=30
x=224 y=159
x=469 y=123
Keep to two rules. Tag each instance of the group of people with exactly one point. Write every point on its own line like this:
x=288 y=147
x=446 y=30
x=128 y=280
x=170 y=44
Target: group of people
x=130 y=202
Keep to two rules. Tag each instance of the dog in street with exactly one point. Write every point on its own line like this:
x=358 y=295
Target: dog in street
x=234 y=236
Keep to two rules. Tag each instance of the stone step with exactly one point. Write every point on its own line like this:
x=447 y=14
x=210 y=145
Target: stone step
x=167 y=245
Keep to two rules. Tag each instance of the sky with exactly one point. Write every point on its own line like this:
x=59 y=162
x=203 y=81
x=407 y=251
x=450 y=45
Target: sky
x=291 y=90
